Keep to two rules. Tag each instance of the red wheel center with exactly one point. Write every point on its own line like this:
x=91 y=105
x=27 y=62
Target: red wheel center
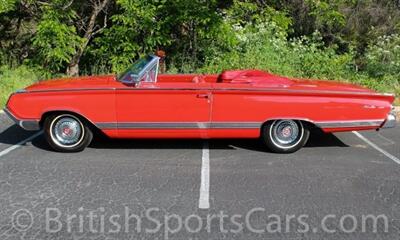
x=287 y=132
x=67 y=131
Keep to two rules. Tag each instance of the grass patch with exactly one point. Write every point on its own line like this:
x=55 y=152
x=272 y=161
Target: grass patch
x=12 y=79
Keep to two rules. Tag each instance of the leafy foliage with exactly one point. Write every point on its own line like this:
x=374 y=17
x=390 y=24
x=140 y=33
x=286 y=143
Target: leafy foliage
x=383 y=57
x=56 y=42
x=135 y=31
x=7 y=5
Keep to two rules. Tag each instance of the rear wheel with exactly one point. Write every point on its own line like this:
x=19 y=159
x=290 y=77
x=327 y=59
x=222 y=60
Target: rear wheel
x=67 y=133
x=284 y=136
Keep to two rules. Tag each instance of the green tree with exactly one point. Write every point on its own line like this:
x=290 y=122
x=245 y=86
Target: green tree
x=64 y=30
x=55 y=41
x=184 y=29
x=136 y=29
x=7 y=5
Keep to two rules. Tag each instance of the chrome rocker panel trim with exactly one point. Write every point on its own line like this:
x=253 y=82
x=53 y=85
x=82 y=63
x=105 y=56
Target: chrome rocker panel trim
x=350 y=124
x=27 y=124
x=180 y=125
x=228 y=125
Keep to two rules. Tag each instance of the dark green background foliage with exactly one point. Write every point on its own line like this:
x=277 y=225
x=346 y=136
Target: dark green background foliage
x=349 y=40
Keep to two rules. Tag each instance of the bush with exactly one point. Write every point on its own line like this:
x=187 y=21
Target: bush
x=383 y=57
x=12 y=79
x=266 y=46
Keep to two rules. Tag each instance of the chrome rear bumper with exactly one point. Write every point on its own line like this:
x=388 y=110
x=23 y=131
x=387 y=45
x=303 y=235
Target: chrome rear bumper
x=390 y=121
x=27 y=124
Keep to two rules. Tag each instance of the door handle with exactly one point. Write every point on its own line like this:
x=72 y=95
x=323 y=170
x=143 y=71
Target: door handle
x=203 y=96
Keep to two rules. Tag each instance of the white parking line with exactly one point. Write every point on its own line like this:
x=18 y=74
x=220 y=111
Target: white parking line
x=386 y=139
x=395 y=159
x=12 y=148
x=204 y=199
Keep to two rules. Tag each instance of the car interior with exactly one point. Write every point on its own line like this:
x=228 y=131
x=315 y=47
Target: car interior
x=239 y=76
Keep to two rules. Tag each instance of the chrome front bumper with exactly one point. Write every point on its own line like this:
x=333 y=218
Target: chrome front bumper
x=27 y=124
x=391 y=121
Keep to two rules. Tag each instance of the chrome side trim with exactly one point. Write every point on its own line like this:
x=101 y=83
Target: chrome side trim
x=215 y=90
x=282 y=90
x=27 y=124
x=236 y=125
x=228 y=125
x=268 y=90
x=350 y=124
x=155 y=125
x=106 y=125
x=67 y=90
x=180 y=125
x=21 y=91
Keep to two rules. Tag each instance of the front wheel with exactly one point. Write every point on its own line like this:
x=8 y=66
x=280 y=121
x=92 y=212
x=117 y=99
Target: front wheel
x=67 y=133
x=284 y=136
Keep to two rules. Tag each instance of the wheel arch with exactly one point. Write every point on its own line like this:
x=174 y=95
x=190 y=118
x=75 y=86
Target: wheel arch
x=307 y=123
x=86 y=120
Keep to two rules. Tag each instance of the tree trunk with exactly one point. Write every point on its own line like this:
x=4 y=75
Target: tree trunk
x=73 y=67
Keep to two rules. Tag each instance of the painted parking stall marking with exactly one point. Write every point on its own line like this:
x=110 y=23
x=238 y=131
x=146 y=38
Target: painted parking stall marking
x=20 y=144
x=204 y=199
x=387 y=140
x=395 y=159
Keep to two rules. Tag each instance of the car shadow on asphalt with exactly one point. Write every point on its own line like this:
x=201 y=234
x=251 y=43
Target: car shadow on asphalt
x=15 y=134
x=317 y=139
x=320 y=139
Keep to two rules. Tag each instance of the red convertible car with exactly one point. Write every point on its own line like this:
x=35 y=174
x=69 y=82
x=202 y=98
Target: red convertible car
x=140 y=103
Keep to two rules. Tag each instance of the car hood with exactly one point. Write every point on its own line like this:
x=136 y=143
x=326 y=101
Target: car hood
x=92 y=82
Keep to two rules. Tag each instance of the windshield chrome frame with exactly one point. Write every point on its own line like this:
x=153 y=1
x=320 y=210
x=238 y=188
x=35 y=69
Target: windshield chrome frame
x=137 y=78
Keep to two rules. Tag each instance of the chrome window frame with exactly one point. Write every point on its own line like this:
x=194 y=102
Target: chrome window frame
x=144 y=75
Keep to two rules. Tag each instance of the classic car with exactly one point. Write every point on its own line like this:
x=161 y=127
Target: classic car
x=140 y=103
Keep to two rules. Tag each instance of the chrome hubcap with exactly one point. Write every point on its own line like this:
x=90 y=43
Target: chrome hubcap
x=285 y=132
x=67 y=131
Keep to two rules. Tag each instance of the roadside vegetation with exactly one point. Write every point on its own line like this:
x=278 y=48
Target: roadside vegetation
x=14 y=78
x=348 y=40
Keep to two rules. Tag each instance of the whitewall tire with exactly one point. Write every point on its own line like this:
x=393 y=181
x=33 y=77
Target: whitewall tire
x=67 y=133
x=284 y=136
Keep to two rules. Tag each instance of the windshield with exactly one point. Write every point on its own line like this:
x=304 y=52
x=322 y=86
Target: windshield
x=137 y=71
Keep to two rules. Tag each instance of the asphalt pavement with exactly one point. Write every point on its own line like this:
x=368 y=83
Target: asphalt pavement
x=342 y=186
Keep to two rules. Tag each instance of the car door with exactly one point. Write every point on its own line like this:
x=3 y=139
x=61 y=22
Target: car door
x=163 y=110
x=237 y=112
